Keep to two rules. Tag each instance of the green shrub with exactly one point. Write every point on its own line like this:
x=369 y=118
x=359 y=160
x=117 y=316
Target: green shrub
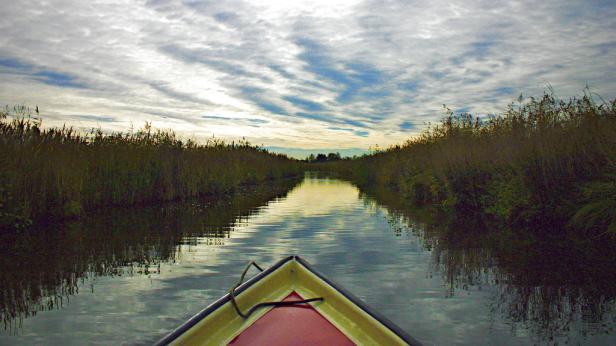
x=598 y=213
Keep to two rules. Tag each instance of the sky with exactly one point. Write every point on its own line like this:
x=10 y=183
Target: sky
x=297 y=76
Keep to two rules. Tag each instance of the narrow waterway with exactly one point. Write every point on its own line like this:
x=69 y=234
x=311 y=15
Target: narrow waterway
x=131 y=276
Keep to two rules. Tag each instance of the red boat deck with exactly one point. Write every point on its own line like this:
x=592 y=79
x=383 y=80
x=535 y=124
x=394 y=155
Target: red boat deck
x=292 y=325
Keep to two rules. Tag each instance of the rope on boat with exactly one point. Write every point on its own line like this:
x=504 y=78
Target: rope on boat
x=261 y=305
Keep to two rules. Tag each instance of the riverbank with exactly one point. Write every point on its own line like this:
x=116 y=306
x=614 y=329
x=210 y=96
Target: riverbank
x=543 y=164
x=56 y=173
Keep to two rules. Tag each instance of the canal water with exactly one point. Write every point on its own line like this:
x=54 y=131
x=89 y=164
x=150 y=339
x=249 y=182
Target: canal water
x=130 y=276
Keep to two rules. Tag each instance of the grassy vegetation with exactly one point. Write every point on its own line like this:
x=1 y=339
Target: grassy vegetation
x=58 y=172
x=543 y=162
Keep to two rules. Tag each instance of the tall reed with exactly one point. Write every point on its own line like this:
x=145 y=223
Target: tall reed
x=57 y=172
x=538 y=163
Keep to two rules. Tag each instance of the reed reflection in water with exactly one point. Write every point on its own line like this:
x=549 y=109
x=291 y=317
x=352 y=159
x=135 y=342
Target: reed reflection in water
x=129 y=276
x=553 y=289
x=42 y=268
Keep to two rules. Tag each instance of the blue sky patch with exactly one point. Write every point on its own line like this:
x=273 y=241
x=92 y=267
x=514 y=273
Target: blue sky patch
x=249 y=120
x=354 y=123
x=481 y=49
x=63 y=80
x=253 y=94
x=48 y=77
x=411 y=85
x=438 y=75
x=365 y=74
x=340 y=129
x=317 y=116
x=101 y=118
x=270 y=107
x=305 y=104
x=353 y=76
x=15 y=64
x=407 y=125
x=362 y=78
x=224 y=16
x=319 y=63
x=504 y=91
x=281 y=70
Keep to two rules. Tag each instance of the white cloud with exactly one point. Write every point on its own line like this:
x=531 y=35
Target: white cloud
x=374 y=70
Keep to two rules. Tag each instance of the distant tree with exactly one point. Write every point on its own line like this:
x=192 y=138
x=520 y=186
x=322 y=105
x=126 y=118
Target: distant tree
x=321 y=158
x=310 y=158
x=333 y=156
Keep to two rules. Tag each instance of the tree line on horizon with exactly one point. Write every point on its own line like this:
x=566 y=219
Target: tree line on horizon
x=321 y=157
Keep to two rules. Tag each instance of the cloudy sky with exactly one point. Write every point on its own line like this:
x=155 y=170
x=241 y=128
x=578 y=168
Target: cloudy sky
x=315 y=74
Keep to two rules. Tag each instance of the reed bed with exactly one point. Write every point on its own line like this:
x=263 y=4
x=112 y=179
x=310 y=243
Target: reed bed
x=543 y=162
x=49 y=173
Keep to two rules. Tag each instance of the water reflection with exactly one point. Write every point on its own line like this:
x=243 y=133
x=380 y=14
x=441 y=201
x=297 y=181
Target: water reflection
x=42 y=268
x=139 y=273
x=555 y=288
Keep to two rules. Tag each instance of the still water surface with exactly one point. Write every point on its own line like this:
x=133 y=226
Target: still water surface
x=130 y=276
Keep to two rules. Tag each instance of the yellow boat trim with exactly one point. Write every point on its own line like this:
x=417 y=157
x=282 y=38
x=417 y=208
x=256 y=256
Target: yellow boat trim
x=222 y=324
